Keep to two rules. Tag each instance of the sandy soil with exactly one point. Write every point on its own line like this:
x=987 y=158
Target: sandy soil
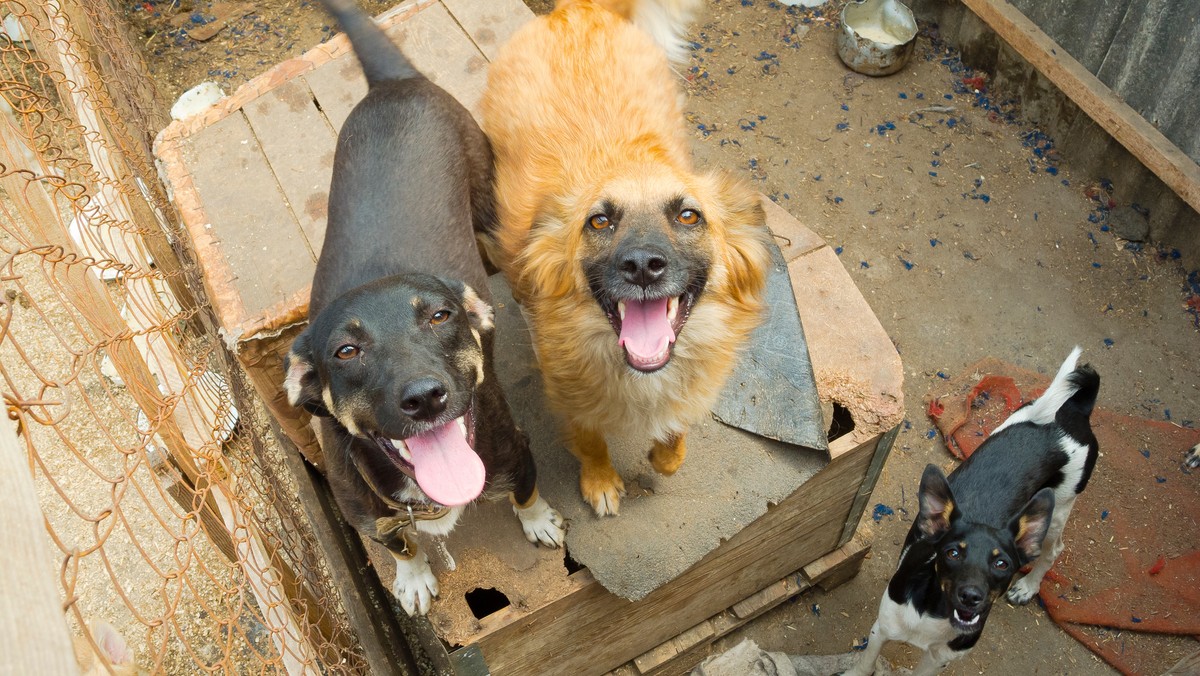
x=966 y=230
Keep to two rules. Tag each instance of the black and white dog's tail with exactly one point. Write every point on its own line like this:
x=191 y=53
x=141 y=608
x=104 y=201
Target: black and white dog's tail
x=1073 y=392
x=381 y=59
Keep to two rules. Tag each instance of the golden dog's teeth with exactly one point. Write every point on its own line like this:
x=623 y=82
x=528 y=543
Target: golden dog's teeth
x=621 y=309
x=672 y=308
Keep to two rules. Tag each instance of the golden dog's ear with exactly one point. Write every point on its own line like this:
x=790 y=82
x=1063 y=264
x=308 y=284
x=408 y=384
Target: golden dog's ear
x=747 y=253
x=547 y=261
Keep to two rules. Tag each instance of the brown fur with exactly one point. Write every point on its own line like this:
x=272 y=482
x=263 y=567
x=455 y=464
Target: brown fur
x=581 y=105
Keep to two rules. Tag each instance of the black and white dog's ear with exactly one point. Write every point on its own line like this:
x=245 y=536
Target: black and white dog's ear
x=938 y=509
x=302 y=385
x=1030 y=526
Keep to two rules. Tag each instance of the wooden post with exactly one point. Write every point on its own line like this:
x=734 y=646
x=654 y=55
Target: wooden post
x=31 y=618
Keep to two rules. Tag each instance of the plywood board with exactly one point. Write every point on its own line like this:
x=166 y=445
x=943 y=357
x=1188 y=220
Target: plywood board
x=437 y=47
x=298 y=143
x=490 y=22
x=254 y=231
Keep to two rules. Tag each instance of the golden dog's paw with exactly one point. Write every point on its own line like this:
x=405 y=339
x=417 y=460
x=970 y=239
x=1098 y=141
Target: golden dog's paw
x=602 y=487
x=667 y=458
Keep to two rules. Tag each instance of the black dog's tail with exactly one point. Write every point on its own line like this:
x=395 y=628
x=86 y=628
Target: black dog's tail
x=381 y=59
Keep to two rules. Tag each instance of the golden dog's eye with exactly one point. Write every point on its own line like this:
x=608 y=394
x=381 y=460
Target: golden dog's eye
x=347 y=351
x=439 y=317
x=688 y=217
x=599 y=222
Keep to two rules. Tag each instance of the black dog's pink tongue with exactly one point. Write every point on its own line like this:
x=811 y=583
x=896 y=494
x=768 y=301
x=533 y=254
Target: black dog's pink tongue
x=646 y=332
x=446 y=467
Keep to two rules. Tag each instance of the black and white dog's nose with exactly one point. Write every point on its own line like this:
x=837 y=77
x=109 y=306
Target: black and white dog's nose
x=642 y=266
x=970 y=597
x=423 y=399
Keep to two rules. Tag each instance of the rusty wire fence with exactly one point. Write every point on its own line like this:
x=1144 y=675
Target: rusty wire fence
x=164 y=513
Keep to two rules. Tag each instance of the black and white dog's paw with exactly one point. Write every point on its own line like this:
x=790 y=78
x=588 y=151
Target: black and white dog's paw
x=415 y=584
x=541 y=523
x=1022 y=591
x=1191 y=459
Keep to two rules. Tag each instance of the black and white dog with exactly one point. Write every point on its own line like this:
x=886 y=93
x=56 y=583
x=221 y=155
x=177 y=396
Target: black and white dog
x=992 y=516
x=396 y=362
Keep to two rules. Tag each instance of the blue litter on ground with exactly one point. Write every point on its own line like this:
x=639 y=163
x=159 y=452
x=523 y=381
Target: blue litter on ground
x=881 y=510
x=1108 y=342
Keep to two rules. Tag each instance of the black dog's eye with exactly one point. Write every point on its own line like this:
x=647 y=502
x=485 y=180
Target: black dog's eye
x=1000 y=564
x=599 y=222
x=953 y=553
x=347 y=351
x=688 y=217
x=439 y=317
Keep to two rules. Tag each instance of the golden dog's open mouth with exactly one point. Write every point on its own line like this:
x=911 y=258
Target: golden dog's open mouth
x=647 y=328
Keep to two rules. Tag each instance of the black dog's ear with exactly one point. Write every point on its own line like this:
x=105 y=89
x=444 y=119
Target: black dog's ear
x=938 y=509
x=479 y=313
x=301 y=384
x=1030 y=526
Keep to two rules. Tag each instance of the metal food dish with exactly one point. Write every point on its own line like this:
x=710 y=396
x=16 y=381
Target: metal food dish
x=877 y=36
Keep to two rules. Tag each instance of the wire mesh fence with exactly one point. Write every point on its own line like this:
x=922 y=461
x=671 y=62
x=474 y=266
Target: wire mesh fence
x=164 y=503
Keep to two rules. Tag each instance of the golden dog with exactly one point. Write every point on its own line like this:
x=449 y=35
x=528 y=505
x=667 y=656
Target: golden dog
x=640 y=277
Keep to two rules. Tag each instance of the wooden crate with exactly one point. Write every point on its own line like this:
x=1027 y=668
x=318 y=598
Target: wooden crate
x=257 y=238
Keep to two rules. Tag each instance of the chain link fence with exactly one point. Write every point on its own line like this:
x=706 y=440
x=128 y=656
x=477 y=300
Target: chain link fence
x=165 y=504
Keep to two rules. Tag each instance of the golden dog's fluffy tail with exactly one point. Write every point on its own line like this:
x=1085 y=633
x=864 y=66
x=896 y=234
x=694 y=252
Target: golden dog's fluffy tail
x=665 y=20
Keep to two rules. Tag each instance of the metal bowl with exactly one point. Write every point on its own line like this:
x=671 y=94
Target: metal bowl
x=877 y=36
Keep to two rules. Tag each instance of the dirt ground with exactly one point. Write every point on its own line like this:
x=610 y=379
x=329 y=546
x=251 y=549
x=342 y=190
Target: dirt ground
x=965 y=228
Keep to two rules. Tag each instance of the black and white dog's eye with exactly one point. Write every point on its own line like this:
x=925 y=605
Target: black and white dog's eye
x=953 y=553
x=1000 y=564
x=439 y=317
x=347 y=351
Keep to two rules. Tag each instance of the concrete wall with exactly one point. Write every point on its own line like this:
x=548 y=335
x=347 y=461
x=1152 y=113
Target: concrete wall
x=1147 y=51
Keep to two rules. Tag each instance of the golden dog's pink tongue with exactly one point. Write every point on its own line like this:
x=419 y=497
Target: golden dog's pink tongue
x=446 y=467
x=645 y=330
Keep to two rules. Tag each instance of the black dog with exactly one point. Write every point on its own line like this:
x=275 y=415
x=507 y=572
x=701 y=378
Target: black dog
x=397 y=360
x=989 y=519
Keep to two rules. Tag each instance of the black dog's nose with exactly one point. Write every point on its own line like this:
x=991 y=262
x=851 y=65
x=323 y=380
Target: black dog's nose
x=423 y=399
x=642 y=266
x=970 y=597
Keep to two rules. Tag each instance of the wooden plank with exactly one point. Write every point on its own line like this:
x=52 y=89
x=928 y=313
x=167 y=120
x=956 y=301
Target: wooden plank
x=298 y=143
x=701 y=634
x=490 y=23
x=254 y=232
x=681 y=653
x=439 y=48
x=837 y=567
x=1141 y=138
x=793 y=238
x=31 y=618
x=434 y=43
x=882 y=450
x=606 y=631
x=337 y=87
